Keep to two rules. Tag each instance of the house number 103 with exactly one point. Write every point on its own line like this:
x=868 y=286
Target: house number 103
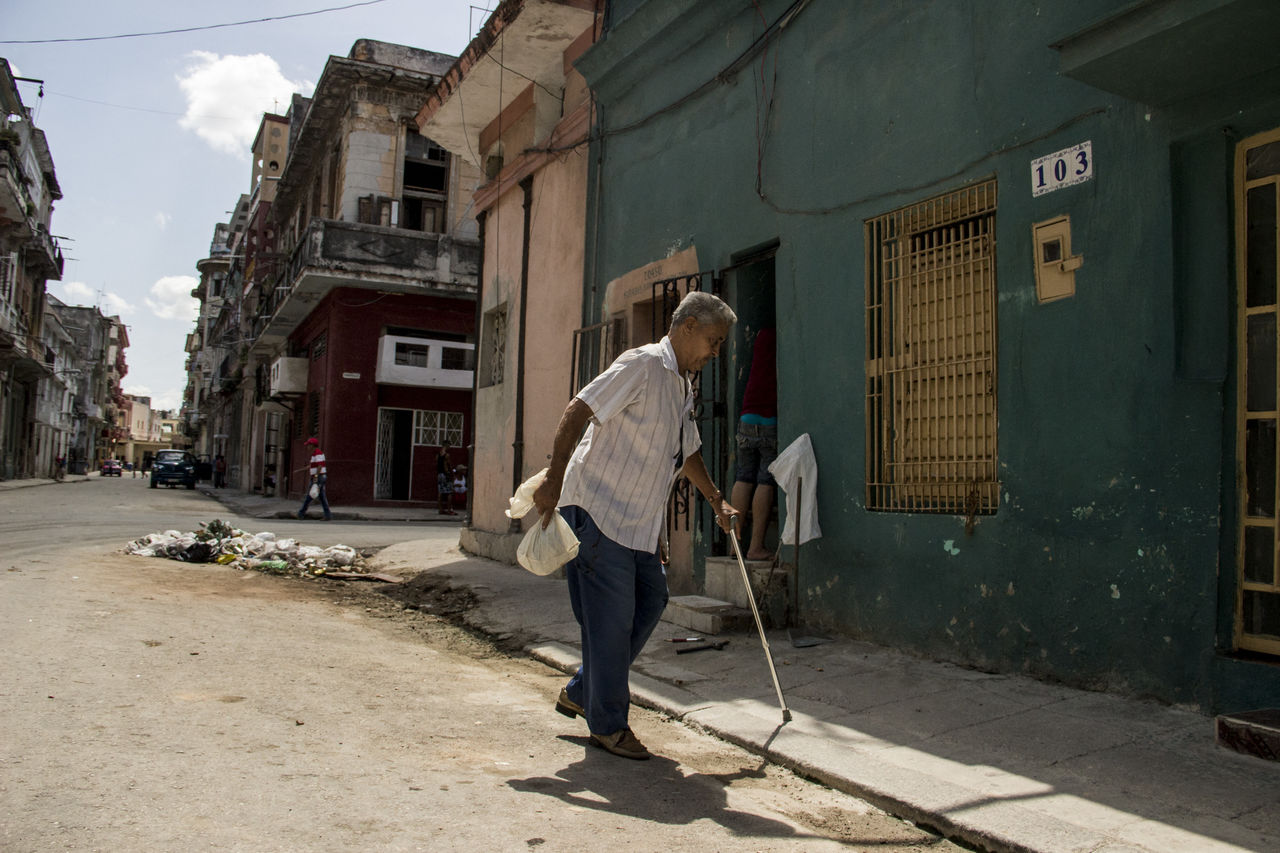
x=1064 y=168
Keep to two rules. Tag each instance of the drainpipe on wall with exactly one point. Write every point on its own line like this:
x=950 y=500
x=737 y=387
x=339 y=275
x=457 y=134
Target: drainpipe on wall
x=517 y=474
x=481 y=217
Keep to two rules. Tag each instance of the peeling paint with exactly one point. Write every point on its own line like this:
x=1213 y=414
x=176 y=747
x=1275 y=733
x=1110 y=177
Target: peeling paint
x=1115 y=591
x=950 y=547
x=1010 y=590
x=1140 y=554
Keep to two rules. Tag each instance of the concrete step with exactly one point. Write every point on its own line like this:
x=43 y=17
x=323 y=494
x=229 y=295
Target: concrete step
x=768 y=585
x=1251 y=732
x=705 y=615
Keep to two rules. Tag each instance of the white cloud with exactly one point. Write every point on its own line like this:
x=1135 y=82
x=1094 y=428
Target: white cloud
x=170 y=399
x=73 y=292
x=79 y=293
x=227 y=95
x=115 y=304
x=162 y=219
x=171 y=298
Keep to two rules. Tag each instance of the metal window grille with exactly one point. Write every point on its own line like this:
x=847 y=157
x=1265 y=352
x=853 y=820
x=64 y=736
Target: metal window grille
x=495 y=343
x=594 y=349
x=8 y=276
x=931 y=356
x=433 y=429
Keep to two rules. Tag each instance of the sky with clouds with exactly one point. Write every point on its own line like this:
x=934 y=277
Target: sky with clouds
x=150 y=135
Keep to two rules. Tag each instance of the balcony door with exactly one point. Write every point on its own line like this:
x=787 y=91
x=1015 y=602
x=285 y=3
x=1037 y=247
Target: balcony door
x=1257 y=192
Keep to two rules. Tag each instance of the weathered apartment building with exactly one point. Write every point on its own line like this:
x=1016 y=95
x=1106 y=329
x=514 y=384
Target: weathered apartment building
x=344 y=306
x=513 y=106
x=86 y=379
x=29 y=256
x=1021 y=261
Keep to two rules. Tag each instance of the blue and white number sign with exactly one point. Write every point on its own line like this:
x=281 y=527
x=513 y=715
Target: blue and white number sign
x=1064 y=168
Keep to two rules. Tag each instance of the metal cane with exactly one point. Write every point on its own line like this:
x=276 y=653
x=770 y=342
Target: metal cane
x=755 y=611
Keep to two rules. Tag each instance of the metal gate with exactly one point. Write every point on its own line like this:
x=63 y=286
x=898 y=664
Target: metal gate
x=383 y=454
x=594 y=349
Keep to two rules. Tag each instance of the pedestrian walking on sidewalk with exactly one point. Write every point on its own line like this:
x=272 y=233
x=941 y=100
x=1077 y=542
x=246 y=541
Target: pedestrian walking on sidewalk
x=319 y=476
x=612 y=488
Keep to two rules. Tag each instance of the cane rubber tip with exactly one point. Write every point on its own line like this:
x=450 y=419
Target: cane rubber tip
x=786 y=716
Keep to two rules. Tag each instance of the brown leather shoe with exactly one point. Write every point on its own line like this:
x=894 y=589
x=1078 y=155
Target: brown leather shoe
x=568 y=707
x=623 y=742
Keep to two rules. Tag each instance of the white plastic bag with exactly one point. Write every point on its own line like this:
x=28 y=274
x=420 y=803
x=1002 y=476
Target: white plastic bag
x=315 y=491
x=522 y=501
x=542 y=551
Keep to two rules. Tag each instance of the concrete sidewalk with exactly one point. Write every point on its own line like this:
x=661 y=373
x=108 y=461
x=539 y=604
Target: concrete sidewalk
x=10 y=485
x=257 y=506
x=1000 y=762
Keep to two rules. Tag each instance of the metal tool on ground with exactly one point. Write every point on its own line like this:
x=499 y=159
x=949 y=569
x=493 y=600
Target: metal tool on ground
x=755 y=611
x=686 y=639
x=719 y=644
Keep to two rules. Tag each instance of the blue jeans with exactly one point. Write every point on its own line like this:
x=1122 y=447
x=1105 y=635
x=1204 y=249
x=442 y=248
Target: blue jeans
x=324 y=499
x=757 y=448
x=618 y=595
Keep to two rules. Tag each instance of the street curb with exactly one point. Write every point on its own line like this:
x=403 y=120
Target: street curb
x=803 y=748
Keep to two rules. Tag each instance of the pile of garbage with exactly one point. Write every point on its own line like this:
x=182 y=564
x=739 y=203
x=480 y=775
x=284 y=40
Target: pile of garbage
x=219 y=542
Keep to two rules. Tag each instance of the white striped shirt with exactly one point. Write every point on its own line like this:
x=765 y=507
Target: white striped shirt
x=622 y=470
x=317 y=463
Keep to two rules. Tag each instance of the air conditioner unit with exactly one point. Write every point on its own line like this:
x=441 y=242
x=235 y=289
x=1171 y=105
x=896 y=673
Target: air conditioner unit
x=289 y=376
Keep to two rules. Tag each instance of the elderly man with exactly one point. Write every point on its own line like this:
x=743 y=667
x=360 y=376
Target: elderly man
x=612 y=488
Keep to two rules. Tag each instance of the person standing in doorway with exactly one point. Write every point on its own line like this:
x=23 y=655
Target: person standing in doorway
x=219 y=472
x=319 y=477
x=758 y=441
x=612 y=488
x=444 y=480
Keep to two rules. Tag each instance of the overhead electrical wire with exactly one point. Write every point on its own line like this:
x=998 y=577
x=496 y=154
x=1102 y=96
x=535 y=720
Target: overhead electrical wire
x=193 y=29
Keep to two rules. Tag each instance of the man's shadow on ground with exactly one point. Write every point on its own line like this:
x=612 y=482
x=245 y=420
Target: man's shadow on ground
x=653 y=790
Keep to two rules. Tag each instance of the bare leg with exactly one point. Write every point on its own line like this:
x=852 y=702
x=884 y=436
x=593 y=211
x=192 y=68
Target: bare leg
x=740 y=497
x=761 y=510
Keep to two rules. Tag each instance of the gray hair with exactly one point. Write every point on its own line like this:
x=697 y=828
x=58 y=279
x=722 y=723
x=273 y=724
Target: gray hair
x=705 y=309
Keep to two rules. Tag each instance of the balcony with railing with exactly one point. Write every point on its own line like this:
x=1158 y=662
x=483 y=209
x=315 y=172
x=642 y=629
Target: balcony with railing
x=44 y=255
x=15 y=200
x=333 y=254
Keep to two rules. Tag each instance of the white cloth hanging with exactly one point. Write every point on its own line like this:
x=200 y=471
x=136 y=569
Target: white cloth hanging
x=796 y=471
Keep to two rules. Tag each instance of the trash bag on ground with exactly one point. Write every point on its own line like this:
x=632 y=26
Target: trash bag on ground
x=221 y=543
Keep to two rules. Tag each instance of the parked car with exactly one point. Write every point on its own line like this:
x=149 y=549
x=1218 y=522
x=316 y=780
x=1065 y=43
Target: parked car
x=173 y=467
x=110 y=468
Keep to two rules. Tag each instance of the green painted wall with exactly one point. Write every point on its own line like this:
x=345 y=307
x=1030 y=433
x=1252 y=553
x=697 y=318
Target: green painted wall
x=1101 y=567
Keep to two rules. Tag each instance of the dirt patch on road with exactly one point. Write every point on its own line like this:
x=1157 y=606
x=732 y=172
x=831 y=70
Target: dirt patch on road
x=431 y=593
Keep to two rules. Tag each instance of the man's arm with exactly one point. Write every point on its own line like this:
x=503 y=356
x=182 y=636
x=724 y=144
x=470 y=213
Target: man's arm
x=696 y=470
x=572 y=423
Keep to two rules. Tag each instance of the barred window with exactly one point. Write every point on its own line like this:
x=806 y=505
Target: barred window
x=435 y=428
x=494 y=355
x=931 y=356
